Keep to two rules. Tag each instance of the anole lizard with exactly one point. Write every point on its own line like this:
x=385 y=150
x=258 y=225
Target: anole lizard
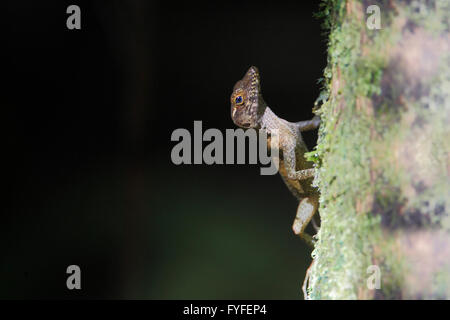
x=248 y=110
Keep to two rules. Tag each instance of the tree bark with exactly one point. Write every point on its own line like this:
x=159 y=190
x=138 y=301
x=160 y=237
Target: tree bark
x=383 y=153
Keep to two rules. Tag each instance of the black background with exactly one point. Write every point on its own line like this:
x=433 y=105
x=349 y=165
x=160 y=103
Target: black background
x=88 y=116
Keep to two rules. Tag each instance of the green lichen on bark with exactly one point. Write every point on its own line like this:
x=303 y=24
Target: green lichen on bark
x=383 y=152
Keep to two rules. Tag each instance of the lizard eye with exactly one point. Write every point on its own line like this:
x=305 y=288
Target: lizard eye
x=239 y=100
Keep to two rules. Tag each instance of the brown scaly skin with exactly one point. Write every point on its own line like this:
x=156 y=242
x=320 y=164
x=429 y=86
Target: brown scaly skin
x=248 y=110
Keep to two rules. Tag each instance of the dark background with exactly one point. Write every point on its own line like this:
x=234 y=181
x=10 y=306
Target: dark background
x=88 y=116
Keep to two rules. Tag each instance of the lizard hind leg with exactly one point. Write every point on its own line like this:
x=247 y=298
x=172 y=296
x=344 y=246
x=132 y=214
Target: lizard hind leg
x=305 y=211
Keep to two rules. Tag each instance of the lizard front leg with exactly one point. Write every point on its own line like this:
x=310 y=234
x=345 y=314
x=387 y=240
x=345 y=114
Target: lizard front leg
x=309 y=124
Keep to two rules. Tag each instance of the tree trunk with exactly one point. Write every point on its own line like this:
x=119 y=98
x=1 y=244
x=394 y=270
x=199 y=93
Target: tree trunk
x=383 y=153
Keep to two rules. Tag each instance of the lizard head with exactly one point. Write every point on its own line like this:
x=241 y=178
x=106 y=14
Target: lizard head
x=247 y=104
